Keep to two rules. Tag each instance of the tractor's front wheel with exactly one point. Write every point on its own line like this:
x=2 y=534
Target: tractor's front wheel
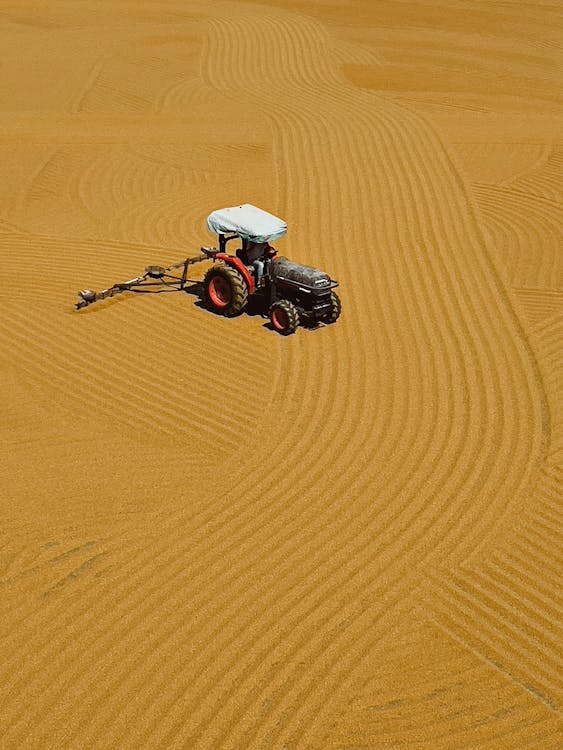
x=335 y=309
x=284 y=317
x=225 y=291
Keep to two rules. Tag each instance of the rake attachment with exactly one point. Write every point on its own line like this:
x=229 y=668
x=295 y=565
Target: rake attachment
x=154 y=276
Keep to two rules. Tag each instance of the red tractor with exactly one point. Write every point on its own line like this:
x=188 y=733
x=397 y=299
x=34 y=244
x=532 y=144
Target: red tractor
x=289 y=293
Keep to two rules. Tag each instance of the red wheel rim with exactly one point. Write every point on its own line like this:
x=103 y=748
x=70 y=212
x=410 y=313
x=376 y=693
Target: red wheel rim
x=279 y=319
x=219 y=291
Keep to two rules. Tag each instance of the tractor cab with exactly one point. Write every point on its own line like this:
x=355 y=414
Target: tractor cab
x=254 y=228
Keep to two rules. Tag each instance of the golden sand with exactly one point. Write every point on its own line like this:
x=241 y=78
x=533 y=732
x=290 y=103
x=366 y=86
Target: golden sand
x=216 y=537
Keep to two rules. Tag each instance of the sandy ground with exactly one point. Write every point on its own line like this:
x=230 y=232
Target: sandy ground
x=215 y=537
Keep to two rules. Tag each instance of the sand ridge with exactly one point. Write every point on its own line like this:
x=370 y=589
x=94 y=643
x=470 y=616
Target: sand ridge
x=215 y=537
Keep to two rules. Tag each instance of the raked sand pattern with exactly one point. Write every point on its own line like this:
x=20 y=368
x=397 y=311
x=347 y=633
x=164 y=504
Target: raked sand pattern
x=213 y=537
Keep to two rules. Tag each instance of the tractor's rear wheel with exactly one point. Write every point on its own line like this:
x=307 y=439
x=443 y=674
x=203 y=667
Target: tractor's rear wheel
x=225 y=291
x=284 y=317
x=335 y=309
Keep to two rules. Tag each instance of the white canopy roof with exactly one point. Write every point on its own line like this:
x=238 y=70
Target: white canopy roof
x=248 y=222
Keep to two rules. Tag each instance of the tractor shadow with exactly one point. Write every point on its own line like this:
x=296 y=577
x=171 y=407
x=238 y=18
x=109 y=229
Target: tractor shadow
x=254 y=309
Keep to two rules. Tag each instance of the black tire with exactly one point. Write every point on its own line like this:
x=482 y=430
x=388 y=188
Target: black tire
x=225 y=291
x=336 y=309
x=284 y=317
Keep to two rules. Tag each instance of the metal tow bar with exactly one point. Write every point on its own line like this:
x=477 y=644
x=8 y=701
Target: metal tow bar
x=153 y=276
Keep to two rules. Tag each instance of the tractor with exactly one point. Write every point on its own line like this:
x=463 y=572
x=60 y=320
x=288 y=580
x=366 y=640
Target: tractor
x=290 y=294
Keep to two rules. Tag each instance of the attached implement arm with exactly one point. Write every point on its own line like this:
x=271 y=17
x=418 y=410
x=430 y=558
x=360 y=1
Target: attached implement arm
x=153 y=276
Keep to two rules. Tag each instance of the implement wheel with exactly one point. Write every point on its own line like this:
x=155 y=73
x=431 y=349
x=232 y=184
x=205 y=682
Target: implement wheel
x=284 y=317
x=336 y=309
x=225 y=291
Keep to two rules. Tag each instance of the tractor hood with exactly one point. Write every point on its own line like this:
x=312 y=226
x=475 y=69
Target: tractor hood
x=298 y=275
x=248 y=222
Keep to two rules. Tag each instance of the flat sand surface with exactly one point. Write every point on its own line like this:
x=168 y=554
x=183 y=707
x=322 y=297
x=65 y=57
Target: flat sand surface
x=213 y=536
